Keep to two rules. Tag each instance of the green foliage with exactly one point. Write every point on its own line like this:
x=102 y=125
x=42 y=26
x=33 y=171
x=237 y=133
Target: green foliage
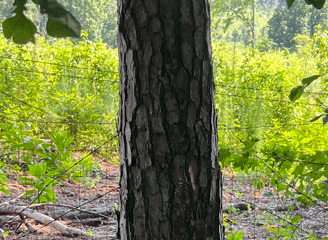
x=98 y=18
x=41 y=181
x=61 y=87
x=69 y=100
x=47 y=161
x=61 y=23
x=233 y=21
x=109 y=29
x=236 y=235
x=3 y=185
x=260 y=130
x=20 y=28
x=64 y=165
x=320 y=46
x=285 y=23
x=56 y=98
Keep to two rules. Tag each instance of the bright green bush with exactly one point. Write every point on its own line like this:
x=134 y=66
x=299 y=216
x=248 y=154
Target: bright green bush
x=49 y=88
x=260 y=129
x=61 y=86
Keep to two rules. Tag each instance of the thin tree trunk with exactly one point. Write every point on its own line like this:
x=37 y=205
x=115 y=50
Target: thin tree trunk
x=171 y=184
x=253 y=25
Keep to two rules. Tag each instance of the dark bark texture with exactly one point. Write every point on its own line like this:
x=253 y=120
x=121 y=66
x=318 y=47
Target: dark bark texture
x=171 y=183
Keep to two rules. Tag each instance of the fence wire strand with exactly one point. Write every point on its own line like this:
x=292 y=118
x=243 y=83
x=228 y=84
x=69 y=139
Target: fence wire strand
x=320 y=208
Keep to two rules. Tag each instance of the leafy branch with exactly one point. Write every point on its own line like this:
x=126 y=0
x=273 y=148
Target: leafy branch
x=61 y=23
x=297 y=92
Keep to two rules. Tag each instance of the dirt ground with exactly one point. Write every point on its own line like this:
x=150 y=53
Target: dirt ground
x=255 y=223
x=106 y=191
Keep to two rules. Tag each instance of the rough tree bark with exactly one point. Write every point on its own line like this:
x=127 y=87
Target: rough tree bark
x=171 y=184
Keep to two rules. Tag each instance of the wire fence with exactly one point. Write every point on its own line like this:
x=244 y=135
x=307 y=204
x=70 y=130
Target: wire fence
x=89 y=209
x=49 y=186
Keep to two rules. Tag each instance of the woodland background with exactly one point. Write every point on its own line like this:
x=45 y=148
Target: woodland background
x=261 y=51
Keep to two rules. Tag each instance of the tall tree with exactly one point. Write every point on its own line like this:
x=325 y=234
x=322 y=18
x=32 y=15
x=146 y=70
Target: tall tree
x=237 y=10
x=171 y=184
x=285 y=24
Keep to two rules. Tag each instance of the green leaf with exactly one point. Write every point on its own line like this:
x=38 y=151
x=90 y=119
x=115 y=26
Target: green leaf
x=43 y=199
x=318 y=3
x=66 y=26
x=36 y=170
x=25 y=179
x=51 y=195
x=47 y=182
x=309 y=80
x=273 y=230
x=5 y=191
x=29 y=192
x=317 y=117
x=36 y=2
x=296 y=93
x=281 y=187
x=296 y=219
x=239 y=235
x=61 y=23
x=19 y=28
x=325 y=119
x=290 y=3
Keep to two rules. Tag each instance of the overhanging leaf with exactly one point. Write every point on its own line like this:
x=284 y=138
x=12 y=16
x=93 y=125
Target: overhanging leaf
x=61 y=22
x=66 y=26
x=309 y=80
x=19 y=28
x=325 y=119
x=290 y=3
x=317 y=117
x=296 y=93
x=318 y=3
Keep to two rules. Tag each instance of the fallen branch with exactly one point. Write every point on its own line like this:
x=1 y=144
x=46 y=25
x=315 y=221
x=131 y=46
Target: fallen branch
x=82 y=214
x=27 y=224
x=22 y=211
x=92 y=212
x=47 y=221
x=245 y=206
x=13 y=200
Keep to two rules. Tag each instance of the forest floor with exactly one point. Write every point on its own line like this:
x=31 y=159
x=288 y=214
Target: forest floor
x=103 y=195
x=254 y=223
x=268 y=212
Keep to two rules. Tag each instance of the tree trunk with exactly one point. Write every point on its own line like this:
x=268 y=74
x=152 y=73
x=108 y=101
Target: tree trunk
x=253 y=25
x=170 y=180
